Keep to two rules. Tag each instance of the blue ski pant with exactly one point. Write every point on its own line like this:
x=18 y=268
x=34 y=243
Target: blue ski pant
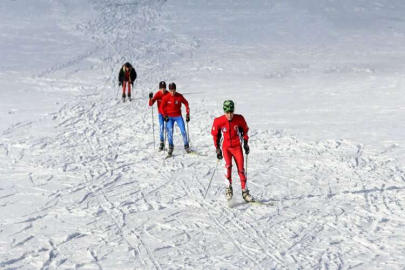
x=170 y=128
x=162 y=127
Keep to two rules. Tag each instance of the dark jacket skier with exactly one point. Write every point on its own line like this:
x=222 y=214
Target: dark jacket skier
x=127 y=76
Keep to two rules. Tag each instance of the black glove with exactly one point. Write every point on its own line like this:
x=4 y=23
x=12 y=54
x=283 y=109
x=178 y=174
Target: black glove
x=246 y=147
x=187 y=118
x=219 y=153
x=150 y=95
x=166 y=118
x=120 y=83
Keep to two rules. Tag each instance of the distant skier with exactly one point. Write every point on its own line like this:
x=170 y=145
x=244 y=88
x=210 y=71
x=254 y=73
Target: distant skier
x=232 y=127
x=171 y=108
x=126 y=77
x=158 y=97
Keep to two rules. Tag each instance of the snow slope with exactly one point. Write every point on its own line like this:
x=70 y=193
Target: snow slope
x=320 y=84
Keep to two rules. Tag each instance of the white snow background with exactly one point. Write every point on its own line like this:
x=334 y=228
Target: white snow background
x=320 y=83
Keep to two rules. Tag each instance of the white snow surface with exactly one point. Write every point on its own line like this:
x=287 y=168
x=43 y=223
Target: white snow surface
x=320 y=83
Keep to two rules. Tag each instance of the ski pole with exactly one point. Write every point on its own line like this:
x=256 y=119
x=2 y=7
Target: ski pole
x=188 y=135
x=153 y=127
x=211 y=179
x=165 y=135
x=116 y=97
x=246 y=165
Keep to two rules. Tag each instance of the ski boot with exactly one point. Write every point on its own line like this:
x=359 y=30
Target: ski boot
x=123 y=97
x=246 y=196
x=229 y=193
x=170 y=152
x=129 y=97
x=187 y=148
x=161 y=146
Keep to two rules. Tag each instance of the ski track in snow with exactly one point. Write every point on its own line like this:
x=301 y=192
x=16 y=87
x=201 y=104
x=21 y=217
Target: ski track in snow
x=118 y=204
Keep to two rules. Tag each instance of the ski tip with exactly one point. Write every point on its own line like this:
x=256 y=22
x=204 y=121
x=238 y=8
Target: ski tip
x=192 y=152
x=261 y=203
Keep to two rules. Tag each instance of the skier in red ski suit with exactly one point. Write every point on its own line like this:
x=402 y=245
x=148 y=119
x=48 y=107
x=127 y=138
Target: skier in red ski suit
x=232 y=127
x=171 y=108
x=158 y=98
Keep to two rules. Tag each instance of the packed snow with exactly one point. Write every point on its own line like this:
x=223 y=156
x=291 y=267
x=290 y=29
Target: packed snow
x=320 y=84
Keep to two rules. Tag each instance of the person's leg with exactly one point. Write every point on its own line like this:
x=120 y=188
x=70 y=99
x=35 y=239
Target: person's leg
x=239 y=160
x=180 y=123
x=161 y=127
x=124 y=85
x=228 y=165
x=169 y=126
x=238 y=155
x=162 y=130
x=228 y=173
x=129 y=89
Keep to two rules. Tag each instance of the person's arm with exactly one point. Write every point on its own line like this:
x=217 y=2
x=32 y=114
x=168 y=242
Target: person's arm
x=245 y=129
x=120 y=79
x=163 y=105
x=133 y=75
x=216 y=133
x=185 y=102
x=164 y=108
x=153 y=99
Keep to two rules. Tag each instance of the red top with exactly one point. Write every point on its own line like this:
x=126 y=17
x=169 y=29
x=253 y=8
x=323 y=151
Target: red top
x=231 y=130
x=158 y=97
x=171 y=105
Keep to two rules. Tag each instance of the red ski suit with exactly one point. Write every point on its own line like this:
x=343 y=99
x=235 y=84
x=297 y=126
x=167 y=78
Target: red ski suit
x=231 y=146
x=158 y=97
x=171 y=105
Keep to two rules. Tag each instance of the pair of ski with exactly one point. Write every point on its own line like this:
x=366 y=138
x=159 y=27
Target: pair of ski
x=191 y=152
x=254 y=202
x=123 y=99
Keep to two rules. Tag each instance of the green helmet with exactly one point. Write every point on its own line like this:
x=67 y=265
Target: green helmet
x=229 y=106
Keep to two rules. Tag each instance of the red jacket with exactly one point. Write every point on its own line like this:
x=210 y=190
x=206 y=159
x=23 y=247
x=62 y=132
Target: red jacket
x=171 y=105
x=231 y=130
x=158 y=97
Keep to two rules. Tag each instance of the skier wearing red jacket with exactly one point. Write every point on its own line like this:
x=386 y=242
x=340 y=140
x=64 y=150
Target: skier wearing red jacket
x=158 y=97
x=232 y=127
x=171 y=108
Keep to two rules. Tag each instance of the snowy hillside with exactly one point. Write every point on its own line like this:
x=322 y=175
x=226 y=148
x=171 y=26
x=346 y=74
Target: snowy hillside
x=320 y=83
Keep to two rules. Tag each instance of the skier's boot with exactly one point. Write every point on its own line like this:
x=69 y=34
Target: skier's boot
x=170 y=152
x=129 y=97
x=123 y=97
x=161 y=146
x=187 y=148
x=229 y=192
x=246 y=196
